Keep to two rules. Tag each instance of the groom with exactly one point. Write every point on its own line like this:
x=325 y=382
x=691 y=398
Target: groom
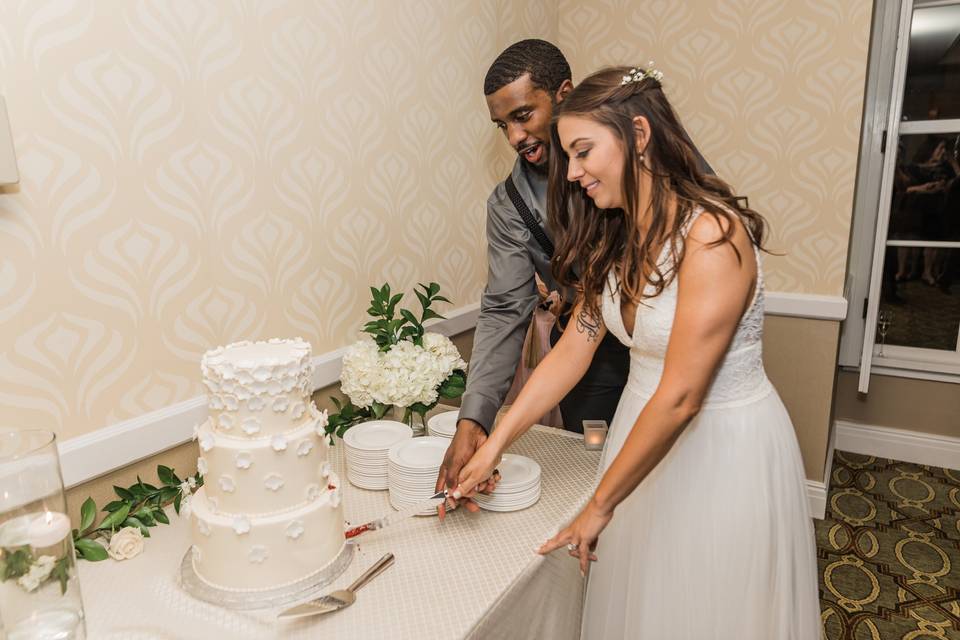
x=522 y=87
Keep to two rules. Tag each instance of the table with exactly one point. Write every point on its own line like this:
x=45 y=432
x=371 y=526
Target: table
x=472 y=576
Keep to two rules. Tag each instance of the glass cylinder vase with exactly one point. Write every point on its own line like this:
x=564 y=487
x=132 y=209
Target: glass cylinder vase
x=39 y=587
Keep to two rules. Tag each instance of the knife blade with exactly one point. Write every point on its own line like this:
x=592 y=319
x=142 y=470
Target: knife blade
x=395 y=516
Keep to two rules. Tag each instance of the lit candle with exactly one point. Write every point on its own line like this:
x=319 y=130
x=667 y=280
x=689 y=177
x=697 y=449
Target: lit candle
x=48 y=529
x=594 y=434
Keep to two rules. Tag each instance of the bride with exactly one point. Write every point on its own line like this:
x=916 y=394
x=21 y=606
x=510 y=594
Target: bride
x=699 y=526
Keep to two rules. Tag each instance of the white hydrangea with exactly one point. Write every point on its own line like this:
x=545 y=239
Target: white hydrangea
x=361 y=364
x=404 y=375
x=445 y=351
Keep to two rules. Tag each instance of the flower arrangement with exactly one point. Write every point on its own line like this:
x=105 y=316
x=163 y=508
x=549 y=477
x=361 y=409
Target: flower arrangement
x=398 y=363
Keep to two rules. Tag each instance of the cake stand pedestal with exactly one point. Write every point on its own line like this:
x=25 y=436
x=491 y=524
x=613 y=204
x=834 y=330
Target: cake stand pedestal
x=299 y=591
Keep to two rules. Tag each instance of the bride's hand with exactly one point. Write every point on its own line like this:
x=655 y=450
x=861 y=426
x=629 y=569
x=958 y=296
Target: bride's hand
x=581 y=535
x=478 y=475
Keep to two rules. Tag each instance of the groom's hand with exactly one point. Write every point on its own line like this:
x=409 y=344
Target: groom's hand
x=465 y=443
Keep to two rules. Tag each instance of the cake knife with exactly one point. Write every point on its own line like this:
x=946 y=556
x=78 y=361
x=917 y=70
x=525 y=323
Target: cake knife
x=395 y=516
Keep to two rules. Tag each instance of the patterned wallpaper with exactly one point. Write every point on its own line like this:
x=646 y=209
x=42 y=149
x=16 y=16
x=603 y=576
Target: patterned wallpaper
x=198 y=172
x=771 y=92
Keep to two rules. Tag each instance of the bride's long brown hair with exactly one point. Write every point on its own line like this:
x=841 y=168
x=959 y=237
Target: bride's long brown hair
x=591 y=241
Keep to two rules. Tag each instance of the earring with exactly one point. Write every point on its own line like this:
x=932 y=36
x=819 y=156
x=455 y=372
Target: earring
x=641 y=156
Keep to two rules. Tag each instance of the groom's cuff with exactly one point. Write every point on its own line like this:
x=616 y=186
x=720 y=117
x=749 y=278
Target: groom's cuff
x=479 y=409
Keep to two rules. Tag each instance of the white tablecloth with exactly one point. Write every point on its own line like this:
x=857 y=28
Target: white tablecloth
x=473 y=576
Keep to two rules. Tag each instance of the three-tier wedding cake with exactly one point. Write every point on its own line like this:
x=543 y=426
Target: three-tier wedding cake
x=269 y=512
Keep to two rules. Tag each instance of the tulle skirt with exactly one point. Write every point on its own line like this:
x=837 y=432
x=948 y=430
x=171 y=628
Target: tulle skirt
x=717 y=542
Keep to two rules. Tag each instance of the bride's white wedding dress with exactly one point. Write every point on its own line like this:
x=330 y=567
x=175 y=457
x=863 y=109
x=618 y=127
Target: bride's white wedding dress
x=717 y=542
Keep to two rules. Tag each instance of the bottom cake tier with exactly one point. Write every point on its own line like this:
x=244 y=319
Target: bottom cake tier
x=249 y=553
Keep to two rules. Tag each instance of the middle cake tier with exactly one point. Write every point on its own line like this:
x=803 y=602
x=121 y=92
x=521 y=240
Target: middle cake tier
x=262 y=476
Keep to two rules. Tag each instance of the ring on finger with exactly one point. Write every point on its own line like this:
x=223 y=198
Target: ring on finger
x=573 y=546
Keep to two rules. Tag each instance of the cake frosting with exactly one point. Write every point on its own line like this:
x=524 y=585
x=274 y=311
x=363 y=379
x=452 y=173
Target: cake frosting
x=268 y=514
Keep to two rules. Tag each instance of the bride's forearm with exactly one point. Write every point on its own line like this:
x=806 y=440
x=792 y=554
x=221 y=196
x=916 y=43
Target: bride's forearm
x=553 y=378
x=657 y=428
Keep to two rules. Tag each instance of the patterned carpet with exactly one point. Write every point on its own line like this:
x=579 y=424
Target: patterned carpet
x=889 y=551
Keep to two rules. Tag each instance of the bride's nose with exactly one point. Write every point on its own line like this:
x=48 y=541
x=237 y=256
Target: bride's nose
x=574 y=170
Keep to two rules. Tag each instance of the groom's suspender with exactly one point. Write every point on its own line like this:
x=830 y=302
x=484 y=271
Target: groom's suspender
x=535 y=229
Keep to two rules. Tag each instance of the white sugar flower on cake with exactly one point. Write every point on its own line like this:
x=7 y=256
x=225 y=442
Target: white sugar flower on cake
x=230 y=402
x=202 y=465
x=251 y=425
x=258 y=553
x=295 y=529
x=227 y=484
x=241 y=525
x=206 y=441
x=243 y=460
x=203 y=527
x=325 y=469
x=298 y=410
x=225 y=420
x=280 y=404
x=273 y=482
x=279 y=442
x=313 y=492
x=304 y=448
x=256 y=403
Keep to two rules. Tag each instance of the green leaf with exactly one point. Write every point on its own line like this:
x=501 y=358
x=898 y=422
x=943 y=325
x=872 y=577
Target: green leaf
x=453 y=386
x=430 y=313
x=16 y=563
x=134 y=522
x=433 y=289
x=160 y=516
x=124 y=493
x=424 y=300
x=379 y=410
x=176 y=503
x=409 y=317
x=167 y=476
x=115 y=518
x=91 y=550
x=61 y=573
x=376 y=295
x=167 y=494
x=113 y=506
x=88 y=513
x=440 y=299
x=336 y=402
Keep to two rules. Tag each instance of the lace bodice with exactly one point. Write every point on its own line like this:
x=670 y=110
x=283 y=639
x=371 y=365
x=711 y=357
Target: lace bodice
x=741 y=377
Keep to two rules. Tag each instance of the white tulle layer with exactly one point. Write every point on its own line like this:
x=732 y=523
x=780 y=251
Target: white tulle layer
x=717 y=542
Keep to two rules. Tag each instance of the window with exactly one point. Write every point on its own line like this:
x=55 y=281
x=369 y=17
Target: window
x=905 y=251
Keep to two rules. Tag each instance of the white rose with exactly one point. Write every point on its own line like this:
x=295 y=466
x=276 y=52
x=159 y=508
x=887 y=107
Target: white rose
x=39 y=571
x=125 y=543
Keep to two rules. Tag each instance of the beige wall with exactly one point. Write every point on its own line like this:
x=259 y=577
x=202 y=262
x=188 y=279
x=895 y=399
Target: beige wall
x=199 y=173
x=800 y=356
x=902 y=403
x=770 y=91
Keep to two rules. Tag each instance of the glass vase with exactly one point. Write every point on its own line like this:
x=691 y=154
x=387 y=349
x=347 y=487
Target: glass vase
x=39 y=587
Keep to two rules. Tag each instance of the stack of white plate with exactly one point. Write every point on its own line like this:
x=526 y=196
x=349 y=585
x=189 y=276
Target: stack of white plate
x=366 y=447
x=519 y=485
x=443 y=424
x=413 y=468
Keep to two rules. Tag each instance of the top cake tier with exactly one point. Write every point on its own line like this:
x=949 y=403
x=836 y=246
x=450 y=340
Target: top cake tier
x=258 y=388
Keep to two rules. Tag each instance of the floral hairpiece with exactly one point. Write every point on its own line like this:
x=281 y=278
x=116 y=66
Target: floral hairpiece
x=638 y=74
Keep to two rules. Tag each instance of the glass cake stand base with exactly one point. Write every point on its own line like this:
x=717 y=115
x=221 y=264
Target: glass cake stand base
x=298 y=591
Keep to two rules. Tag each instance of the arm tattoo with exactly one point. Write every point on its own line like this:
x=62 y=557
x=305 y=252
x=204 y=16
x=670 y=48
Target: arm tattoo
x=589 y=325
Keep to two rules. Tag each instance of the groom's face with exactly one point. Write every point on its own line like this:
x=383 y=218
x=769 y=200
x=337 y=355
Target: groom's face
x=523 y=112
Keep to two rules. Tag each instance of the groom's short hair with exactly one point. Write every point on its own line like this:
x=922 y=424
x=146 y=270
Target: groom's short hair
x=545 y=63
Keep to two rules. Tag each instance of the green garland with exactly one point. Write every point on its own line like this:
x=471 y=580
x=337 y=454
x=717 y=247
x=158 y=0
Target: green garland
x=140 y=505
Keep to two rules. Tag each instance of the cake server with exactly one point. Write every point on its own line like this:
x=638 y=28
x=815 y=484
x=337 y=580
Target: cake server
x=433 y=501
x=340 y=598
